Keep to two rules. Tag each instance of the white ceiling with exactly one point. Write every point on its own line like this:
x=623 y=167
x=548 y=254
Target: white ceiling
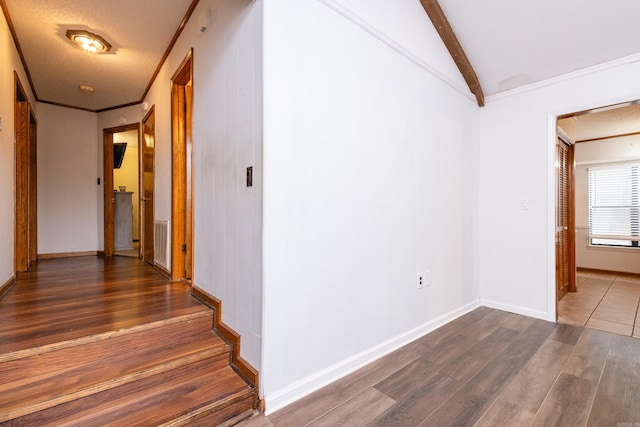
x=139 y=31
x=512 y=43
x=509 y=43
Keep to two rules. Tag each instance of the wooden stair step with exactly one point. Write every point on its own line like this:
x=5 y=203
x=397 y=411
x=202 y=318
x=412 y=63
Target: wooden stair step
x=24 y=343
x=39 y=381
x=208 y=389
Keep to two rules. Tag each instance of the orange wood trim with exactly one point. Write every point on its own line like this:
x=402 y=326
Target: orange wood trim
x=6 y=287
x=12 y=30
x=21 y=127
x=58 y=104
x=179 y=168
x=115 y=107
x=67 y=255
x=33 y=188
x=440 y=22
x=571 y=175
x=232 y=337
x=108 y=197
x=620 y=135
x=185 y=19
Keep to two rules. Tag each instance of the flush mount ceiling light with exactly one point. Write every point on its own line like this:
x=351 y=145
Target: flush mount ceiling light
x=86 y=88
x=88 y=41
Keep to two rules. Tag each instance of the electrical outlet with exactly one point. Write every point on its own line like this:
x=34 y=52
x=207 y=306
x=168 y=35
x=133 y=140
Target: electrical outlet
x=420 y=281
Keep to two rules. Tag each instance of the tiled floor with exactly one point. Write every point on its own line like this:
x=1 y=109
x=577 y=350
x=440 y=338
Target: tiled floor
x=603 y=301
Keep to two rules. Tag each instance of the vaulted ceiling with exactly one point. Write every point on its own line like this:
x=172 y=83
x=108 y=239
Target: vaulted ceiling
x=498 y=45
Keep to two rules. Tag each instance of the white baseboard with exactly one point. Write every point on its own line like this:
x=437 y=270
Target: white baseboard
x=516 y=309
x=311 y=383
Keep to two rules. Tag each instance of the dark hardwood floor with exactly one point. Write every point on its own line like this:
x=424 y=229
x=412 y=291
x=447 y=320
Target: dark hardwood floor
x=487 y=368
x=110 y=341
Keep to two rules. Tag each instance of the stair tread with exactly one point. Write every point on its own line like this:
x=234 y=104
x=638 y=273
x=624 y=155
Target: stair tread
x=198 y=388
x=61 y=319
x=41 y=380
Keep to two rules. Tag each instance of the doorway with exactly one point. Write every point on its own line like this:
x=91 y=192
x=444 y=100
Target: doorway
x=182 y=171
x=121 y=160
x=605 y=141
x=26 y=212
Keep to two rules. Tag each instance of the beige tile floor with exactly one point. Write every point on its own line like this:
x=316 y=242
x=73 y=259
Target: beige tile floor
x=604 y=301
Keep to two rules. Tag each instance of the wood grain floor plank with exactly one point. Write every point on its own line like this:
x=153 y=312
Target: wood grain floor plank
x=568 y=334
x=410 y=411
x=618 y=397
x=349 y=414
x=589 y=355
x=571 y=398
x=487 y=324
x=316 y=404
x=477 y=357
x=530 y=386
x=504 y=414
x=568 y=403
x=476 y=396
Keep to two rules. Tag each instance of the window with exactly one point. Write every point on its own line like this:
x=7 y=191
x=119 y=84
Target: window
x=614 y=208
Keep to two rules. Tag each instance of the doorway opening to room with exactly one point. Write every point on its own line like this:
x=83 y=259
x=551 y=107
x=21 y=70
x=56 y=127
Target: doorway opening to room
x=599 y=195
x=121 y=156
x=182 y=171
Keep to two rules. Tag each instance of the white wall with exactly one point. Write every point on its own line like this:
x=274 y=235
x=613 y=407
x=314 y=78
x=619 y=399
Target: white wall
x=9 y=62
x=67 y=180
x=369 y=179
x=590 y=153
x=516 y=141
x=227 y=138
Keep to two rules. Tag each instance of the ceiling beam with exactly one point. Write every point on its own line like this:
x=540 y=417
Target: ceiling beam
x=450 y=40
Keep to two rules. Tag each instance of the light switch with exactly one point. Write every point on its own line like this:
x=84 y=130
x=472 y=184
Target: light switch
x=250 y=176
x=524 y=204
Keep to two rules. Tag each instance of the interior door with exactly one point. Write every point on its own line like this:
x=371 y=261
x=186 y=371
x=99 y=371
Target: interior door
x=565 y=221
x=146 y=196
x=182 y=172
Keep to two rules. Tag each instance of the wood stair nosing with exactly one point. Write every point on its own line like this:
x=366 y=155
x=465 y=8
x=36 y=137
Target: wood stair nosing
x=11 y=353
x=37 y=315
x=41 y=381
x=193 y=391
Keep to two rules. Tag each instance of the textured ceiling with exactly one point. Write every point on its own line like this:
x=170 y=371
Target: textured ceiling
x=603 y=122
x=139 y=31
x=513 y=43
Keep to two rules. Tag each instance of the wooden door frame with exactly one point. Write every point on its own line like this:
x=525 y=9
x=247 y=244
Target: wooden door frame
x=107 y=182
x=571 y=220
x=25 y=161
x=182 y=170
x=143 y=194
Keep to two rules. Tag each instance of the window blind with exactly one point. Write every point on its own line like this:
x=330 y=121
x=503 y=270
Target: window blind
x=614 y=208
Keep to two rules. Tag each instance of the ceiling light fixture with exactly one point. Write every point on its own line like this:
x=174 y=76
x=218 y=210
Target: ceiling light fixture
x=86 y=88
x=88 y=41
